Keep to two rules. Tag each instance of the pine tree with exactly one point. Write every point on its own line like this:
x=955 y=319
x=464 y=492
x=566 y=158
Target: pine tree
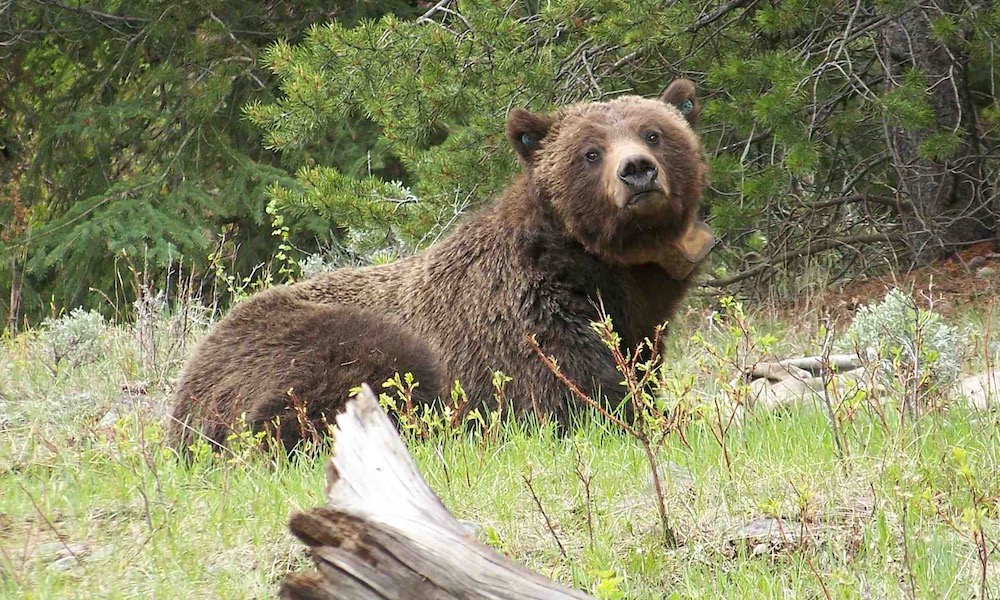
x=816 y=124
x=124 y=145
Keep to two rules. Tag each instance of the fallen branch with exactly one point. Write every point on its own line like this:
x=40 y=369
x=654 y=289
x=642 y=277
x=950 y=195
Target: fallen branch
x=384 y=534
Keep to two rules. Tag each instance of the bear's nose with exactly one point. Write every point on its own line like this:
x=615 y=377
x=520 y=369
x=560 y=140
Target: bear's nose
x=638 y=172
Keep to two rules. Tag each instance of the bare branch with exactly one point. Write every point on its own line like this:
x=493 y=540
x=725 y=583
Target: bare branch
x=715 y=15
x=897 y=203
x=811 y=248
x=427 y=16
x=103 y=18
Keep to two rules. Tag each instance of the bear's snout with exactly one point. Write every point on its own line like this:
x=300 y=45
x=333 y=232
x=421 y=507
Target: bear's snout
x=641 y=187
x=638 y=172
x=634 y=180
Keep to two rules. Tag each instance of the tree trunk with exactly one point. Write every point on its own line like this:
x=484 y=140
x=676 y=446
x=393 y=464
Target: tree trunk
x=384 y=534
x=950 y=202
x=16 y=280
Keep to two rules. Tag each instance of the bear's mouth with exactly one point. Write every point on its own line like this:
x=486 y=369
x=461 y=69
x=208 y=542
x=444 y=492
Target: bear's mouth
x=647 y=202
x=643 y=195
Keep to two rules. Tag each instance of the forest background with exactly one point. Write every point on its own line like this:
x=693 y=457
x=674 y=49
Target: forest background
x=198 y=147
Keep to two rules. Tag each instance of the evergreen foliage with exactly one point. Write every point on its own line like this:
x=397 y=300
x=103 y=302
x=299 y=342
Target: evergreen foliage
x=136 y=136
x=125 y=150
x=801 y=114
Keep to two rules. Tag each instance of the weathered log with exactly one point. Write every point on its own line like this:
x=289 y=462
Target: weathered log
x=384 y=534
x=816 y=364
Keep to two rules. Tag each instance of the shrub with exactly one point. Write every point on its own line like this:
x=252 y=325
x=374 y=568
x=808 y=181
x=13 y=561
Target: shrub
x=905 y=344
x=73 y=339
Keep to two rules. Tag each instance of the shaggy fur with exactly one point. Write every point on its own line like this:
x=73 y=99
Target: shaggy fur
x=278 y=358
x=567 y=233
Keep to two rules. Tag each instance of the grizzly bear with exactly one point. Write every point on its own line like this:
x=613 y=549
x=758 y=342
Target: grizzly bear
x=281 y=365
x=604 y=214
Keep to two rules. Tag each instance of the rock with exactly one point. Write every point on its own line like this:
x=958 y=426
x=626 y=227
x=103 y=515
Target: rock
x=48 y=550
x=102 y=552
x=672 y=476
x=63 y=557
x=770 y=395
x=981 y=391
x=67 y=561
x=63 y=564
x=52 y=550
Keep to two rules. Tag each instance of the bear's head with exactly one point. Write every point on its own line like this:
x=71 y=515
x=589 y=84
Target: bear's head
x=622 y=176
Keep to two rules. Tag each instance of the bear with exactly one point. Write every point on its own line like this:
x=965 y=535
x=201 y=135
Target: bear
x=294 y=359
x=603 y=214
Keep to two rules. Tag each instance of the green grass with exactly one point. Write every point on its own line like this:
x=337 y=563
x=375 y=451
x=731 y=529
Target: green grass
x=893 y=518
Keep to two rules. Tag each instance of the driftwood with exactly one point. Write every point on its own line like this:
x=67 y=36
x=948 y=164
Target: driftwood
x=384 y=534
x=776 y=384
x=817 y=364
x=793 y=380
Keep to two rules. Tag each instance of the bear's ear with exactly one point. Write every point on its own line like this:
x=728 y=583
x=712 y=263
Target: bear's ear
x=681 y=95
x=525 y=131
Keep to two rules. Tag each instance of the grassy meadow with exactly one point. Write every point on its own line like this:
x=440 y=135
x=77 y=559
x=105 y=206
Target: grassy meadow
x=94 y=505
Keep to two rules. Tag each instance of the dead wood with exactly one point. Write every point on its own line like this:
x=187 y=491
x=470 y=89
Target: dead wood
x=384 y=534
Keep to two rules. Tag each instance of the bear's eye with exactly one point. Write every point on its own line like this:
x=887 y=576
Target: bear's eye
x=592 y=155
x=652 y=138
x=529 y=140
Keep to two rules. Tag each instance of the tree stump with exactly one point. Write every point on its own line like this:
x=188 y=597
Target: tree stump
x=384 y=534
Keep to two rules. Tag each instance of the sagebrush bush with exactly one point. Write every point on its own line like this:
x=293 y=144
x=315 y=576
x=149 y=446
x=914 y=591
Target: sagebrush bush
x=74 y=339
x=904 y=342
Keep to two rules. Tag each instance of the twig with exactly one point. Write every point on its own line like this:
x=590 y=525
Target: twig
x=809 y=563
x=586 y=479
x=548 y=522
x=554 y=368
x=907 y=558
x=716 y=14
x=52 y=526
x=670 y=538
x=827 y=373
x=740 y=145
x=897 y=203
x=101 y=17
x=7 y=558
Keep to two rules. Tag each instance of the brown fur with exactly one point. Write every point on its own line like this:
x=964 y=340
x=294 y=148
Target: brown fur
x=564 y=234
x=275 y=356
